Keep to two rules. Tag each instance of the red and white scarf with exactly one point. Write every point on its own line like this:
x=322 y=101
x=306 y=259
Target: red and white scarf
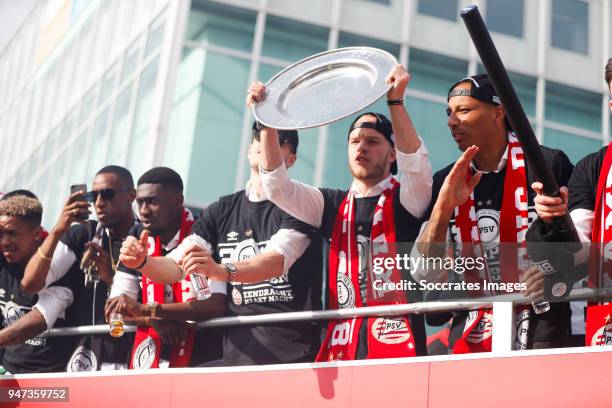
x=598 y=316
x=147 y=344
x=477 y=334
x=387 y=337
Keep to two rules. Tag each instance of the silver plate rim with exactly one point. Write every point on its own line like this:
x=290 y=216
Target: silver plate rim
x=307 y=59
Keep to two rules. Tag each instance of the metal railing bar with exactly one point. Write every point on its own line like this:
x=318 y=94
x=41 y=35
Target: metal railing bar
x=337 y=314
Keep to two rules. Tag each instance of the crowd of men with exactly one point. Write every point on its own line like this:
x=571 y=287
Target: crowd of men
x=280 y=245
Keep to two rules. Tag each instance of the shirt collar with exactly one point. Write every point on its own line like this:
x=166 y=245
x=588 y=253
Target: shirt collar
x=173 y=242
x=500 y=166
x=251 y=193
x=372 y=192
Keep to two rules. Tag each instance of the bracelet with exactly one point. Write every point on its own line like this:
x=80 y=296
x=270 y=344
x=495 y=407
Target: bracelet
x=395 y=101
x=143 y=263
x=43 y=256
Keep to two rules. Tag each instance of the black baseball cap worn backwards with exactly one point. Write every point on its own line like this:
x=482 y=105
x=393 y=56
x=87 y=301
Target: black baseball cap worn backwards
x=481 y=88
x=284 y=136
x=383 y=125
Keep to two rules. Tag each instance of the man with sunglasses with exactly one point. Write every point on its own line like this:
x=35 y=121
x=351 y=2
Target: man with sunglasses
x=94 y=245
x=363 y=224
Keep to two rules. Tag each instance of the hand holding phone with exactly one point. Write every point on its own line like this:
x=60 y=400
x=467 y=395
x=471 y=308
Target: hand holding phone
x=81 y=198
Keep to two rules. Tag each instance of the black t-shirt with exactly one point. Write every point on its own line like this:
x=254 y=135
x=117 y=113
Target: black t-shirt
x=238 y=229
x=488 y=201
x=38 y=354
x=90 y=302
x=583 y=183
x=406 y=230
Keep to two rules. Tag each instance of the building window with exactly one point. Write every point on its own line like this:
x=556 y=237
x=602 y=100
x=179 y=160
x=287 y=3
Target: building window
x=506 y=16
x=576 y=114
x=383 y=2
x=573 y=106
x=575 y=147
x=570 y=25
x=206 y=122
x=141 y=146
x=446 y=9
x=354 y=40
x=525 y=87
x=434 y=73
x=225 y=26
x=291 y=40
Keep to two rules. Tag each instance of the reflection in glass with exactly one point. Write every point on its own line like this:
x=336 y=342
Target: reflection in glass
x=98 y=144
x=121 y=127
x=207 y=115
x=86 y=107
x=446 y=9
x=573 y=106
x=130 y=60
x=353 y=40
x=216 y=24
x=434 y=73
x=156 y=34
x=291 y=40
x=141 y=144
x=107 y=84
x=576 y=147
x=79 y=159
x=525 y=87
x=570 y=25
x=506 y=16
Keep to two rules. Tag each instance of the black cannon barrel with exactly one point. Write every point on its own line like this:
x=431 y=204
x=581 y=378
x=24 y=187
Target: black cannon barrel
x=514 y=110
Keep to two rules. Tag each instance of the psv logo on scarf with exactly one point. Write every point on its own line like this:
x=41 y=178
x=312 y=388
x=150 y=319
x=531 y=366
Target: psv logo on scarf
x=513 y=225
x=599 y=317
x=387 y=337
x=147 y=343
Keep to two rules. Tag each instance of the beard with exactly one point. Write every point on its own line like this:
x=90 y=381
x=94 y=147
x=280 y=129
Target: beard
x=376 y=171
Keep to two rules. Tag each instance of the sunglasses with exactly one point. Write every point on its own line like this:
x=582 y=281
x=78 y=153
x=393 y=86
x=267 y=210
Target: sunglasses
x=106 y=194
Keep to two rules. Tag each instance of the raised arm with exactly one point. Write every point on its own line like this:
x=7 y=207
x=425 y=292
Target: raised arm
x=159 y=269
x=406 y=138
x=49 y=255
x=413 y=163
x=455 y=191
x=300 y=200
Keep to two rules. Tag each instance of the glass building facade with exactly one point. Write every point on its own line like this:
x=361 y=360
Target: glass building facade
x=142 y=83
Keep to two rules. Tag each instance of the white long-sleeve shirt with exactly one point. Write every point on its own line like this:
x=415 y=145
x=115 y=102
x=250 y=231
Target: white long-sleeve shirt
x=306 y=203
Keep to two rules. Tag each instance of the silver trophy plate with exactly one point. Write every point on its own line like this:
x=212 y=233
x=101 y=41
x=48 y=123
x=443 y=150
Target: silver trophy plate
x=324 y=88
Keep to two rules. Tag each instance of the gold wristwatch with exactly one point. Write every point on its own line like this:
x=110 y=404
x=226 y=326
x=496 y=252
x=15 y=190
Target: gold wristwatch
x=152 y=308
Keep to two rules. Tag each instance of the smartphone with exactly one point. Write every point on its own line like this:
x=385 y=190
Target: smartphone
x=82 y=197
x=79 y=187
